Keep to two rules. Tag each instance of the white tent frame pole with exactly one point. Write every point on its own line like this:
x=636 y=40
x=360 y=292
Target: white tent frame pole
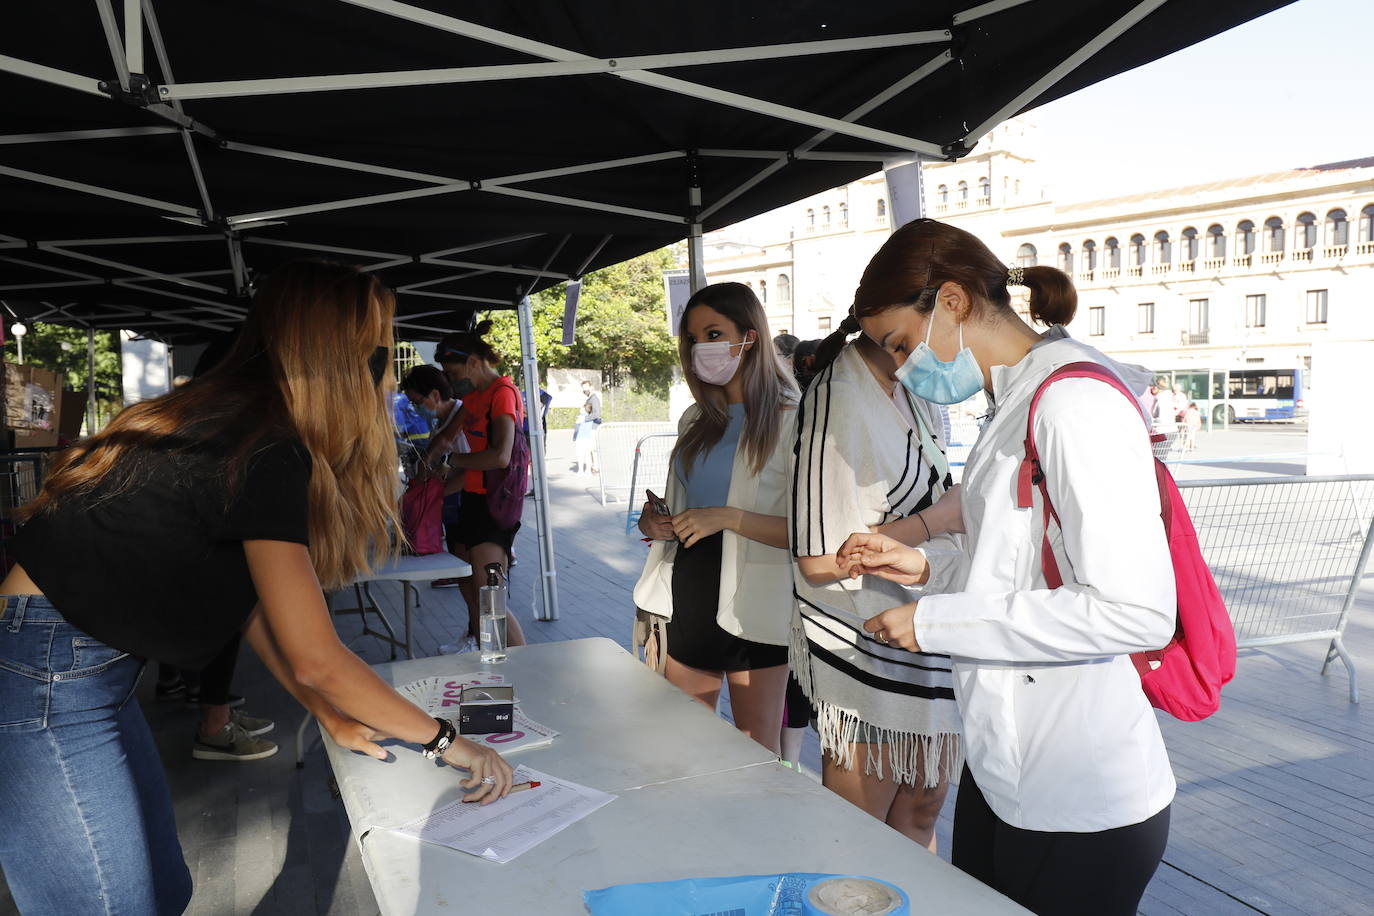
x=985 y=9
x=881 y=98
x=98 y=191
x=107 y=20
x=874 y=156
x=548 y=568
x=133 y=8
x=130 y=268
x=475 y=246
x=582 y=268
x=584 y=204
x=328 y=249
x=657 y=80
x=137 y=240
x=578 y=66
x=87 y=84
x=90 y=381
x=103 y=133
x=133 y=35
x=504 y=303
x=228 y=311
x=10 y=287
x=51 y=269
x=1067 y=66
x=494 y=268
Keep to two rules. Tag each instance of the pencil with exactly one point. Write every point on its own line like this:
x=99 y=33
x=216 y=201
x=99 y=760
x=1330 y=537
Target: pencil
x=520 y=787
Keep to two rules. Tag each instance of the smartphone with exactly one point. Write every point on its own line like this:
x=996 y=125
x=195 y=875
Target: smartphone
x=657 y=503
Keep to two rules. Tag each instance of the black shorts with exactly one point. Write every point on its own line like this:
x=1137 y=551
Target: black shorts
x=476 y=526
x=694 y=637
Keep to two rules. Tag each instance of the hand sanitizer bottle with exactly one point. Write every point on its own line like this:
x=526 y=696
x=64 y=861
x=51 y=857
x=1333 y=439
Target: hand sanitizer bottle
x=491 y=603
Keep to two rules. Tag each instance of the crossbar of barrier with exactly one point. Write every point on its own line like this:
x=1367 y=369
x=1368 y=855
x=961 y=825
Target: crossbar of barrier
x=653 y=455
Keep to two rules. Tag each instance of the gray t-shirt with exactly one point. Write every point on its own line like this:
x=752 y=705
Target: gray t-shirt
x=707 y=482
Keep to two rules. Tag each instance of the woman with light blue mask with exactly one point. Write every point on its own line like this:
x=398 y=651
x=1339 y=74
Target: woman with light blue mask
x=1065 y=796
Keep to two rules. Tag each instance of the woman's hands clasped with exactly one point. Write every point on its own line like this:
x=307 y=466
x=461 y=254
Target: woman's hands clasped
x=872 y=554
x=694 y=524
x=490 y=777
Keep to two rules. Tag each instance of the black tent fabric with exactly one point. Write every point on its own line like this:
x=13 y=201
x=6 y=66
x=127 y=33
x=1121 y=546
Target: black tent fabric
x=154 y=156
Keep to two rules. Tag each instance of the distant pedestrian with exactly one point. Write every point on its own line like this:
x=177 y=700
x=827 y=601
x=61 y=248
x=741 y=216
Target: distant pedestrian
x=1192 y=423
x=803 y=361
x=786 y=345
x=585 y=430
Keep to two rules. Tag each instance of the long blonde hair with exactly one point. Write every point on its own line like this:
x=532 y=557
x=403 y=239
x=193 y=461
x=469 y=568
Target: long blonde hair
x=768 y=386
x=298 y=368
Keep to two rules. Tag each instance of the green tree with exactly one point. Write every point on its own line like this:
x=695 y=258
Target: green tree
x=43 y=347
x=621 y=325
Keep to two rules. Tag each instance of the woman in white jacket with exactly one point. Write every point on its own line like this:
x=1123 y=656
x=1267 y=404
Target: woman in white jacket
x=1064 y=803
x=719 y=569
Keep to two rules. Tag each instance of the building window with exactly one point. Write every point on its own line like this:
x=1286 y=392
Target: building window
x=1189 y=239
x=784 y=288
x=1337 y=229
x=1112 y=254
x=825 y=217
x=1016 y=187
x=984 y=189
x=1066 y=258
x=944 y=193
x=963 y=190
x=810 y=219
x=1245 y=237
x=882 y=210
x=1306 y=232
x=1137 y=250
x=1097 y=321
x=1367 y=223
x=1197 y=316
x=1089 y=261
x=1216 y=241
x=1145 y=318
x=763 y=291
x=823 y=324
x=1254 y=311
x=844 y=215
x=1316 y=306
x=1164 y=252
x=1273 y=234
x=1025 y=256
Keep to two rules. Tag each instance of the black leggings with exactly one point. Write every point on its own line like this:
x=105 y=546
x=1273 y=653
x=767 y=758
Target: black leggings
x=1102 y=874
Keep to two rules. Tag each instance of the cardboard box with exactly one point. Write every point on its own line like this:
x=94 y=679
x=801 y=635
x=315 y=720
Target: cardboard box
x=32 y=405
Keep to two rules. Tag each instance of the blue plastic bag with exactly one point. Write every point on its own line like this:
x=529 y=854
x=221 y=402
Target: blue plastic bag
x=746 y=895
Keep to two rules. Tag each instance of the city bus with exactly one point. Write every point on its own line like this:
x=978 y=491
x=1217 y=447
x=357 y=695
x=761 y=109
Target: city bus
x=1242 y=394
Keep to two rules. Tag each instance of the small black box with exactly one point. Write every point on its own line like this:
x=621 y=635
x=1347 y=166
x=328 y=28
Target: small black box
x=486 y=710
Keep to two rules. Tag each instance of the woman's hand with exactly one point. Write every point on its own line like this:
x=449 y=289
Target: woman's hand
x=491 y=775
x=947 y=514
x=694 y=524
x=895 y=627
x=870 y=554
x=653 y=525
x=354 y=735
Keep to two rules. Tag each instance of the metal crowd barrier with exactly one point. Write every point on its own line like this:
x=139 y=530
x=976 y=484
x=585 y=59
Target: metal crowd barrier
x=1288 y=554
x=653 y=455
x=21 y=476
x=615 y=449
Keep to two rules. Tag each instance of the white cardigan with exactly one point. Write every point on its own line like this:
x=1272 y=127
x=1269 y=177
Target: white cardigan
x=755 y=579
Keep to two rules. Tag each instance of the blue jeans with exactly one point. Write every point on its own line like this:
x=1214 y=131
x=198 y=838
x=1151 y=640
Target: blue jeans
x=87 y=817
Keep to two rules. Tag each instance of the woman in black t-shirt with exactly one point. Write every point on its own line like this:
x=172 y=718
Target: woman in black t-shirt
x=222 y=506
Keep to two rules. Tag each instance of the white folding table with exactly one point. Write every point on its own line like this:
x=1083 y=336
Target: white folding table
x=696 y=798
x=407 y=570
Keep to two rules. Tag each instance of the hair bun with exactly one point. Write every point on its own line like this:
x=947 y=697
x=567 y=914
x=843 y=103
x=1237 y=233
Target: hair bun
x=483 y=327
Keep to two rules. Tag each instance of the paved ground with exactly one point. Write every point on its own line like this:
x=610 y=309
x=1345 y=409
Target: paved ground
x=1275 y=812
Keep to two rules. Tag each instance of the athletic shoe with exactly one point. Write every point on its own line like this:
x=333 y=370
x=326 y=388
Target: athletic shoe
x=467 y=644
x=193 y=698
x=444 y=583
x=171 y=689
x=253 y=725
x=232 y=743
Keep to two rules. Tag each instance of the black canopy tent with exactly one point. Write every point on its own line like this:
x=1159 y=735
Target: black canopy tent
x=154 y=156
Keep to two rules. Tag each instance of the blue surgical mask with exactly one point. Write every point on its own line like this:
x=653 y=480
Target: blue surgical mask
x=930 y=378
x=426 y=412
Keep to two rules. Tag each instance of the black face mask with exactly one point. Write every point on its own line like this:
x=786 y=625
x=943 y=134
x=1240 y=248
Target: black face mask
x=463 y=387
x=377 y=363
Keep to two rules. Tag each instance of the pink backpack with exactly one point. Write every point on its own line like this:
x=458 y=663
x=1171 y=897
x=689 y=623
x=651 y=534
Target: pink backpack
x=422 y=516
x=1185 y=677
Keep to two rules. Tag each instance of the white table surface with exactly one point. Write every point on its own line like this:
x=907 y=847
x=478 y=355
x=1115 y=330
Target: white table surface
x=696 y=798
x=415 y=569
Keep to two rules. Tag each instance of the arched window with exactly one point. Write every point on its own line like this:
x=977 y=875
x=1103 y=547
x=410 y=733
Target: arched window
x=825 y=217
x=763 y=290
x=1216 y=241
x=1025 y=256
x=963 y=190
x=984 y=189
x=1164 y=252
x=810 y=218
x=1066 y=258
x=1273 y=234
x=1305 y=232
x=882 y=209
x=784 y=288
x=1111 y=251
x=1189 y=244
x=1137 y=250
x=944 y=193
x=1337 y=228
x=844 y=215
x=1089 y=261
x=1245 y=237
x=1367 y=223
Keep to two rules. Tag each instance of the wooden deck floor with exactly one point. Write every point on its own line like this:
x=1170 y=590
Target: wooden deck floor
x=1275 y=812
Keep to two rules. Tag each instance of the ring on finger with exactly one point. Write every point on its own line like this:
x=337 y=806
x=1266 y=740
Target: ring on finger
x=488 y=780
x=881 y=636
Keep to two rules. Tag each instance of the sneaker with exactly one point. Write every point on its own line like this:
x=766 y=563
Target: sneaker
x=444 y=583
x=170 y=690
x=253 y=725
x=467 y=644
x=193 y=698
x=233 y=743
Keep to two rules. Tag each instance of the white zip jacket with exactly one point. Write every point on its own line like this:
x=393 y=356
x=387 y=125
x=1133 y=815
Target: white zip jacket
x=755 y=579
x=1058 y=733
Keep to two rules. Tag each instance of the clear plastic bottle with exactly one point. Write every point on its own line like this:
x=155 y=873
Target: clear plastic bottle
x=491 y=603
